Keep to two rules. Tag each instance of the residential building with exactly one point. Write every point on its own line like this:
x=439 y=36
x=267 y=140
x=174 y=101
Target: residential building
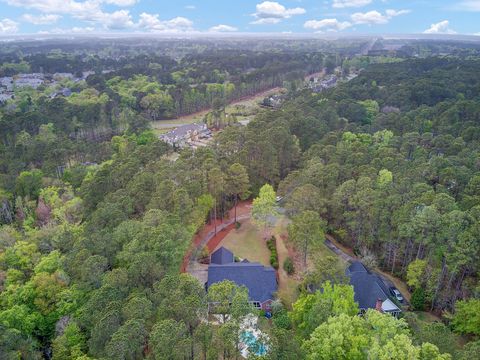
x=261 y=281
x=370 y=290
x=184 y=135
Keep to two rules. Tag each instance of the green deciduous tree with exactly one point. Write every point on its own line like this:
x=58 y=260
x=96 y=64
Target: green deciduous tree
x=228 y=300
x=467 y=317
x=264 y=207
x=374 y=336
x=312 y=310
x=29 y=183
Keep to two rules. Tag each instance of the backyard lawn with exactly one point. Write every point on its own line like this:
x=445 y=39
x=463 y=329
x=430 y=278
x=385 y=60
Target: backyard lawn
x=288 y=287
x=247 y=243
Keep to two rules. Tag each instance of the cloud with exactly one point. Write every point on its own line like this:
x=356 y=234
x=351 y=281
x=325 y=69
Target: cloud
x=271 y=12
x=223 y=28
x=151 y=22
x=88 y=10
x=72 y=7
x=326 y=25
x=118 y=20
x=190 y=7
x=371 y=17
x=392 y=13
x=375 y=17
x=41 y=19
x=121 y=2
x=8 y=26
x=468 y=5
x=350 y=3
x=441 y=27
x=74 y=30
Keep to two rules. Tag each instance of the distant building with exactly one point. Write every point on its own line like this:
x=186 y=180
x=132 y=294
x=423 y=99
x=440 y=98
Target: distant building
x=65 y=92
x=370 y=290
x=6 y=83
x=59 y=76
x=86 y=74
x=185 y=134
x=390 y=109
x=33 y=80
x=261 y=281
x=5 y=97
x=327 y=83
x=274 y=101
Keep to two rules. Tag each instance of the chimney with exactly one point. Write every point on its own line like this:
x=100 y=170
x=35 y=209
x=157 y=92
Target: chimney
x=378 y=305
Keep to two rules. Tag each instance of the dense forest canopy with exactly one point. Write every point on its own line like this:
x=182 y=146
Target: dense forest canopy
x=97 y=214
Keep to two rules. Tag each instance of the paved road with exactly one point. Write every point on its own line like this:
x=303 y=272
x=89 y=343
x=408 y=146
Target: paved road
x=339 y=252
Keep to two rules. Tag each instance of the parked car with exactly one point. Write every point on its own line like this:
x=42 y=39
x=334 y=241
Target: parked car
x=396 y=294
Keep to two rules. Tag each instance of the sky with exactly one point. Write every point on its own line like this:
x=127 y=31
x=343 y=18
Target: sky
x=240 y=16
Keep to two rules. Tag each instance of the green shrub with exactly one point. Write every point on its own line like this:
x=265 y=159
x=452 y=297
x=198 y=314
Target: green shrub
x=281 y=320
x=237 y=225
x=288 y=266
x=274 y=261
x=204 y=256
x=272 y=246
x=418 y=299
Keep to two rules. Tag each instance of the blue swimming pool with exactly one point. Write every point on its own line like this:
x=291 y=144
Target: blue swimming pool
x=254 y=346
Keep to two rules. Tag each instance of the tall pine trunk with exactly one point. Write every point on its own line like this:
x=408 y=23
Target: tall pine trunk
x=236 y=200
x=215 y=216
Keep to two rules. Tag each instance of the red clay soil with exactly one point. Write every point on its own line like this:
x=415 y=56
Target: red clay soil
x=213 y=242
x=243 y=208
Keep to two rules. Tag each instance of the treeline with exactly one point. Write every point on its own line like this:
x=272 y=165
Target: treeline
x=90 y=253
x=197 y=80
x=391 y=160
x=91 y=250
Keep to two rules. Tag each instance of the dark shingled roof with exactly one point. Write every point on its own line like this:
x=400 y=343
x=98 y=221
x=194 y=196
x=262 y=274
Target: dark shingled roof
x=222 y=256
x=184 y=130
x=368 y=287
x=260 y=280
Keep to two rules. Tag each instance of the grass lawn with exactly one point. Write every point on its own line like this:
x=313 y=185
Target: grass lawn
x=288 y=287
x=426 y=316
x=247 y=243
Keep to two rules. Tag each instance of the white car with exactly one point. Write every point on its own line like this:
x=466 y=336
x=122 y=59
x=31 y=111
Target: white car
x=396 y=294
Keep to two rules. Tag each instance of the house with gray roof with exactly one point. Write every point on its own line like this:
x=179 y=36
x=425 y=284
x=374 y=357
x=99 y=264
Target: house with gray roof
x=261 y=281
x=370 y=290
x=185 y=134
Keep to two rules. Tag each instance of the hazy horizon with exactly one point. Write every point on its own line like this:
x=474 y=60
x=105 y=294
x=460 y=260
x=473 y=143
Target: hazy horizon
x=213 y=18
